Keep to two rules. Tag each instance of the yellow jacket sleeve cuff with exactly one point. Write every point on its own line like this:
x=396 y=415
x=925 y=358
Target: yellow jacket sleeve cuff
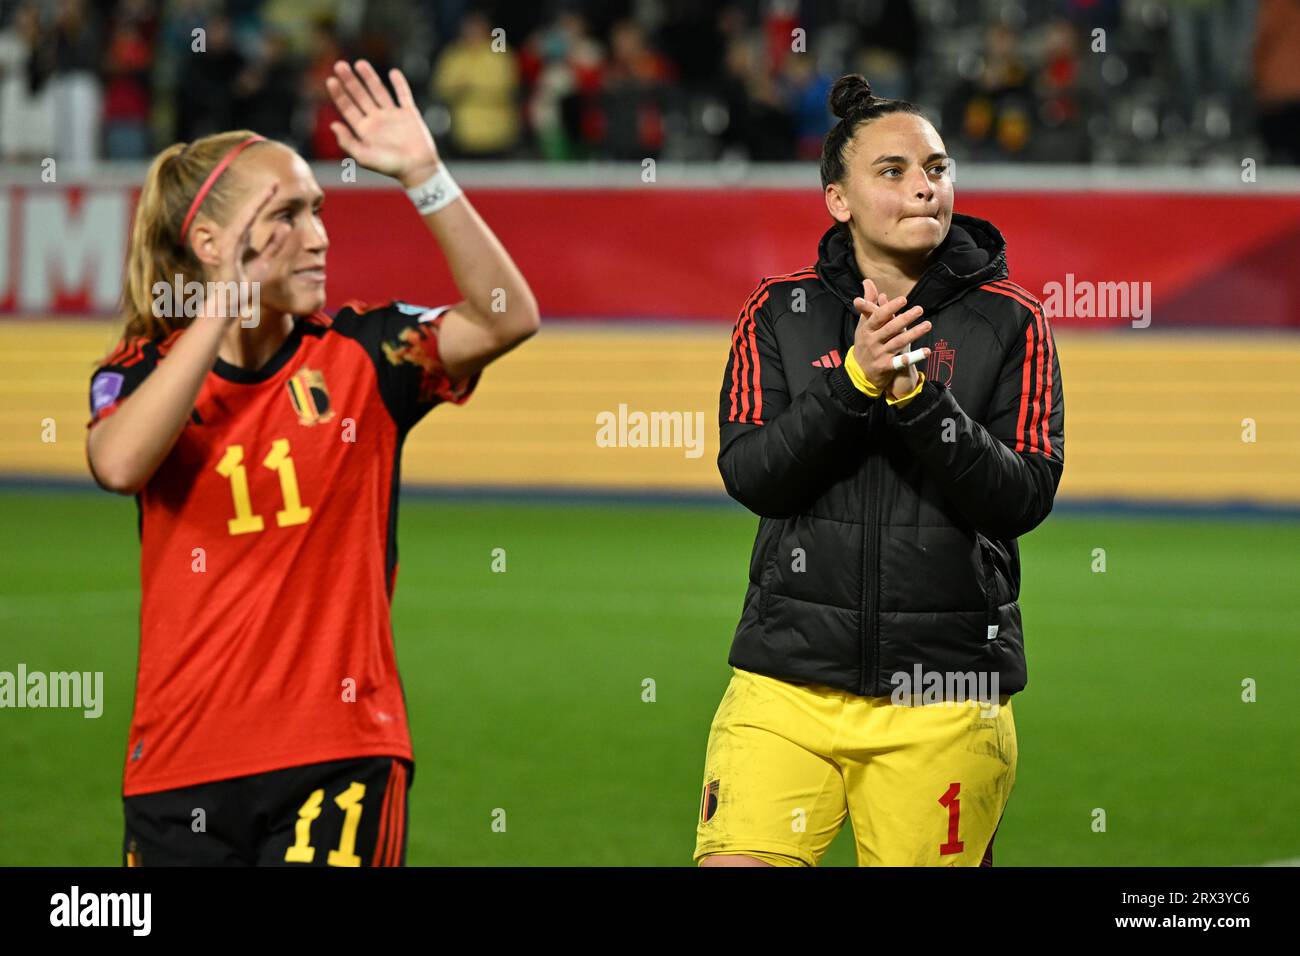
x=900 y=402
x=859 y=377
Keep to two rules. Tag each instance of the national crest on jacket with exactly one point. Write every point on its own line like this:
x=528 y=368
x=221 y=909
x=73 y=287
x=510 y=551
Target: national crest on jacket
x=943 y=360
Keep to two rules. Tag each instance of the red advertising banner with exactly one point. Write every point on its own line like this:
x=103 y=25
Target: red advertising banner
x=1097 y=259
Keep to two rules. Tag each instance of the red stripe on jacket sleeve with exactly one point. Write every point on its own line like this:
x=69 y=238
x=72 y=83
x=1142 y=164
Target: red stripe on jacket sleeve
x=1047 y=391
x=743 y=345
x=746 y=372
x=737 y=349
x=756 y=387
x=1036 y=419
x=1024 y=387
x=1035 y=406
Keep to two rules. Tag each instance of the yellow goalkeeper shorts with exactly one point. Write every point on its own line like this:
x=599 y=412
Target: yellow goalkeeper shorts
x=786 y=763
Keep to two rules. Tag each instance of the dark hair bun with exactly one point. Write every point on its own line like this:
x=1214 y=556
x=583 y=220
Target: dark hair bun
x=850 y=94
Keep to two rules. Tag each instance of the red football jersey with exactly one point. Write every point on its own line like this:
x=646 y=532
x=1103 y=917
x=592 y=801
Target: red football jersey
x=268 y=550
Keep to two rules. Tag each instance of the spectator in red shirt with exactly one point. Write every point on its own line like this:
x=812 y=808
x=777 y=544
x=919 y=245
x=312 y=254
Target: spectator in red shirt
x=127 y=95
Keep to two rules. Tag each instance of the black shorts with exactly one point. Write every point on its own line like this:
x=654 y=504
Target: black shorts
x=342 y=813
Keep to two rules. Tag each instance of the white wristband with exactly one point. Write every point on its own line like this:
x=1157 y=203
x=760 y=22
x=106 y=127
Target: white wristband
x=435 y=192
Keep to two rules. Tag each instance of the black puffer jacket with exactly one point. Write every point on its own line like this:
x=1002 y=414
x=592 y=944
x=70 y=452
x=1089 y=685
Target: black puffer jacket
x=888 y=535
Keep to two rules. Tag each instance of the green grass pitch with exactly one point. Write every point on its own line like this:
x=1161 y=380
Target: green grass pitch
x=525 y=687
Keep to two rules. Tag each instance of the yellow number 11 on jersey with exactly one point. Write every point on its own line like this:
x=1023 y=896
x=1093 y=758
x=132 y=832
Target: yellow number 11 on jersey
x=232 y=466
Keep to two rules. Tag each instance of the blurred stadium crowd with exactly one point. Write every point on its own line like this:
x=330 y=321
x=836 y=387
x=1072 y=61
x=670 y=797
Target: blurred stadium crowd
x=1180 y=81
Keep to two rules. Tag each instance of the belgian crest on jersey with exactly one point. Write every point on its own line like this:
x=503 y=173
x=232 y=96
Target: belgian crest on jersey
x=942 y=363
x=310 y=397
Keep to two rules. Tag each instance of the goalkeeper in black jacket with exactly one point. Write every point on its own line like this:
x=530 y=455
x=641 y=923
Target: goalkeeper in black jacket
x=895 y=416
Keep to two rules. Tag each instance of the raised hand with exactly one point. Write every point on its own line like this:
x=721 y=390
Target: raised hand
x=387 y=137
x=239 y=262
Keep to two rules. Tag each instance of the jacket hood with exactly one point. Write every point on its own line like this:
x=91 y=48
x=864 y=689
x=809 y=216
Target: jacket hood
x=972 y=254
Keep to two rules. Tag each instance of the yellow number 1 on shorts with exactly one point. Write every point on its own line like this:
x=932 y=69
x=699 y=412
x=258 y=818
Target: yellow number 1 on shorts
x=949 y=800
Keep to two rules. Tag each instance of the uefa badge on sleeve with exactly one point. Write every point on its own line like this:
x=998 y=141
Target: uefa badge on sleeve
x=104 y=390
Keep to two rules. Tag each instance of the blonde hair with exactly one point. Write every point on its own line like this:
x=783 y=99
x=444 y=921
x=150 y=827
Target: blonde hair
x=157 y=251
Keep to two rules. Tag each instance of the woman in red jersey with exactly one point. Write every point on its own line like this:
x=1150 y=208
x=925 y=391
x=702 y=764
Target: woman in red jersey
x=262 y=440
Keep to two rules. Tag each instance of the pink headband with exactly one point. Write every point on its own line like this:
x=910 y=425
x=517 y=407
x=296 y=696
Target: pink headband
x=212 y=178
